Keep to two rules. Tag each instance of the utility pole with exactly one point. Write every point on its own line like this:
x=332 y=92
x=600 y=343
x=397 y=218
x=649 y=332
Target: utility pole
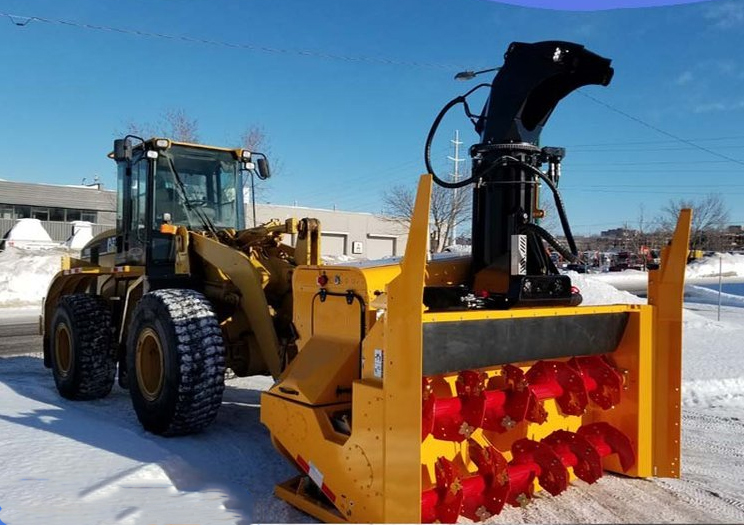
x=455 y=174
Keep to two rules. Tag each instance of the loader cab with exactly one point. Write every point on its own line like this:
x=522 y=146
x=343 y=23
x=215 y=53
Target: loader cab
x=163 y=185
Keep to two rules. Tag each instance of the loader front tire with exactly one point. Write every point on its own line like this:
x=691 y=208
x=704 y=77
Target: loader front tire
x=175 y=362
x=82 y=351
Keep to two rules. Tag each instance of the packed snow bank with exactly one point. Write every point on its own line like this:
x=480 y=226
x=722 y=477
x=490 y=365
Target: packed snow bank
x=64 y=462
x=25 y=275
x=727 y=264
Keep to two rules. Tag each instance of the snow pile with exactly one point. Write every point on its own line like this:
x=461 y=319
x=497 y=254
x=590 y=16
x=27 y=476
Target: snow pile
x=339 y=259
x=729 y=265
x=29 y=233
x=596 y=291
x=25 y=275
x=82 y=232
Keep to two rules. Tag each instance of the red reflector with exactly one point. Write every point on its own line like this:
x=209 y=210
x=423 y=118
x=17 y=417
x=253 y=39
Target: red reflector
x=322 y=280
x=483 y=294
x=575 y=290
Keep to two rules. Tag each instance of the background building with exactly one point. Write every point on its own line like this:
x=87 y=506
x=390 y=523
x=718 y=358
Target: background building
x=356 y=235
x=56 y=206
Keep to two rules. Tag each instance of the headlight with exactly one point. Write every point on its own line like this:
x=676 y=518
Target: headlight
x=162 y=143
x=152 y=154
x=245 y=155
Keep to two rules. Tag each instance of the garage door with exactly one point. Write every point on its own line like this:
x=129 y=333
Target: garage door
x=379 y=247
x=333 y=243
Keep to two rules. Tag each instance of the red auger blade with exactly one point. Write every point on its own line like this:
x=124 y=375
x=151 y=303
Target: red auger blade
x=470 y=390
x=555 y=379
x=577 y=452
x=493 y=468
x=607 y=440
x=521 y=401
x=449 y=490
x=550 y=471
x=603 y=382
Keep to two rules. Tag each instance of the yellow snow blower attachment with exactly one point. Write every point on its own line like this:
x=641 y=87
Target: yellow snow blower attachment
x=436 y=388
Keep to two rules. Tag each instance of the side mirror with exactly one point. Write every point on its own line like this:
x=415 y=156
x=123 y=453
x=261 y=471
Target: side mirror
x=263 y=168
x=122 y=149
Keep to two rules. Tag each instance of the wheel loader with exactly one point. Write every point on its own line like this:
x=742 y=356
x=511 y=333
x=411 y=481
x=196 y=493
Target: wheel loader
x=422 y=390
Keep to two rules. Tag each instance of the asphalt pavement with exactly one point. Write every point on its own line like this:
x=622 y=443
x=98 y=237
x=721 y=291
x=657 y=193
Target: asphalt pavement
x=19 y=331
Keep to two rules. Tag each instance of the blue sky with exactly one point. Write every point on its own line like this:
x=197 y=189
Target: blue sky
x=346 y=92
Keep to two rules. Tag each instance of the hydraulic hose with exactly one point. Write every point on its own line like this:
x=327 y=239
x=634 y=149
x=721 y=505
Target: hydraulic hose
x=551 y=240
x=462 y=99
x=556 y=197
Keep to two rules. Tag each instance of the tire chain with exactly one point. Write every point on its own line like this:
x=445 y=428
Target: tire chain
x=201 y=355
x=96 y=366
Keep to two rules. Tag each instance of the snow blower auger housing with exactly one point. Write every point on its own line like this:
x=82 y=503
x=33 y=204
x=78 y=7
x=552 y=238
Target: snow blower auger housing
x=438 y=388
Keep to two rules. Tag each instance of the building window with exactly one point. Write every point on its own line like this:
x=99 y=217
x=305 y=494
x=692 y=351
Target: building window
x=88 y=216
x=40 y=213
x=6 y=212
x=73 y=215
x=57 y=214
x=23 y=212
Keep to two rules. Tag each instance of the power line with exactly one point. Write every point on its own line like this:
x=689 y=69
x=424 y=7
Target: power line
x=651 y=162
x=643 y=142
x=584 y=190
x=611 y=186
x=626 y=150
x=659 y=130
x=22 y=21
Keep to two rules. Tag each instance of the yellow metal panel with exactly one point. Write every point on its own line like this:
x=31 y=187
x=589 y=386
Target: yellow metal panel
x=402 y=372
x=322 y=373
x=351 y=466
x=666 y=292
x=633 y=415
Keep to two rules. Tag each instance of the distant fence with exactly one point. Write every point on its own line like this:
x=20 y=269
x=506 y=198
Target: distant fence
x=58 y=231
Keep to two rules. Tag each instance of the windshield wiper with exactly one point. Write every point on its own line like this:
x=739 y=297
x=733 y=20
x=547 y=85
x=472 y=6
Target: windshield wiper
x=206 y=222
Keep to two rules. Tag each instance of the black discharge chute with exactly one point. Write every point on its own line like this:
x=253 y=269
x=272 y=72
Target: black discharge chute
x=510 y=262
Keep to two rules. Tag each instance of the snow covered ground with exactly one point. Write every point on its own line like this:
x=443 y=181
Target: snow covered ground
x=64 y=462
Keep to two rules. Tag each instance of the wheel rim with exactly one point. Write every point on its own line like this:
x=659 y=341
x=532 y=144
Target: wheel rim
x=149 y=364
x=63 y=349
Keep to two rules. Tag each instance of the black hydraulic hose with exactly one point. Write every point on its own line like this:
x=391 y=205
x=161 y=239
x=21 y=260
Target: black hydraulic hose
x=556 y=197
x=433 y=130
x=548 y=237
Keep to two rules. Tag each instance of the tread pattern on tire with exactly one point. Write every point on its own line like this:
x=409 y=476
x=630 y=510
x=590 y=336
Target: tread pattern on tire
x=200 y=353
x=91 y=329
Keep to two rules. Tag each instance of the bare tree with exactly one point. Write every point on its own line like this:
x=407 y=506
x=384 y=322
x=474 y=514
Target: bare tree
x=549 y=221
x=449 y=209
x=709 y=217
x=173 y=124
x=254 y=139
